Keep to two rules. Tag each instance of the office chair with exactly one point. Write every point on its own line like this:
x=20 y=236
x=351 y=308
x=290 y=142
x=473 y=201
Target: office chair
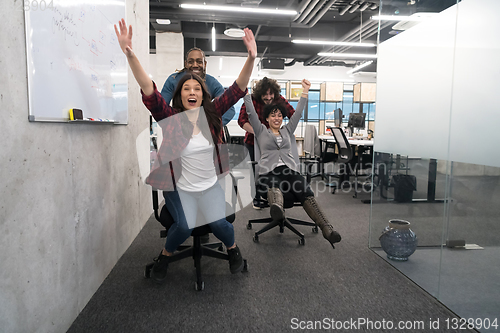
x=319 y=154
x=344 y=156
x=198 y=249
x=288 y=202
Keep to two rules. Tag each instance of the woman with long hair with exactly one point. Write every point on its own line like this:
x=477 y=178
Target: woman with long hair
x=190 y=157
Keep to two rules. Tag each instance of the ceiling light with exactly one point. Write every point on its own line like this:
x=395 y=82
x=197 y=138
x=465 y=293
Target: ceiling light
x=213 y=39
x=414 y=17
x=363 y=65
x=163 y=21
x=324 y=42
x=347 y=55
x=234 y=32
x=240 y=9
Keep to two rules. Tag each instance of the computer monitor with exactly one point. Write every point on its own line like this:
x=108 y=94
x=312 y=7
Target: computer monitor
x=337 y=117
x=356 y=120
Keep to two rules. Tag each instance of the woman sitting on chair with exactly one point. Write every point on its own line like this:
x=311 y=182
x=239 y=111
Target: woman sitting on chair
x=278 y=170
x=187 y=167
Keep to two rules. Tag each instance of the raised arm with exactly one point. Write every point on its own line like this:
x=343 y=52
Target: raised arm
x=294 y=120
x=125 y=40
x=246 y=71
x=253 y=118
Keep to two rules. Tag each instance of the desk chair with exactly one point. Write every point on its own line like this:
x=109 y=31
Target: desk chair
x=288 y=202
x=320 y=153
x=344 y=156
x=198 y=249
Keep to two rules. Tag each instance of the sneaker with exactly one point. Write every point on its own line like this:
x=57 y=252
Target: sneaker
x=235 y=260
x=257 y=204
x=159 y=271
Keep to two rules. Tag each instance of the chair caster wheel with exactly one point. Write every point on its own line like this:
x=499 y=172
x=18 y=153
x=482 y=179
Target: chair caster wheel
x=245 y=266
x=302 y=241
x=315 y=229
x=147 y=271
x=256 y=239
x=249 y=226
x=199 y=286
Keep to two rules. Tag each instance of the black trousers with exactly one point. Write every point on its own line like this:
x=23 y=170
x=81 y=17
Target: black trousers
x=287 y=180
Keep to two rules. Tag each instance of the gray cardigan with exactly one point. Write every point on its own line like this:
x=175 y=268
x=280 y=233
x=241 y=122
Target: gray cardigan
x=270 y=151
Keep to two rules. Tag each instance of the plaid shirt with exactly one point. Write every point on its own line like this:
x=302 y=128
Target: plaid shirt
x=259 y=108
x=167 y=167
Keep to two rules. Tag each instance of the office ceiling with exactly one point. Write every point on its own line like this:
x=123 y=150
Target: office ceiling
x=336 y=20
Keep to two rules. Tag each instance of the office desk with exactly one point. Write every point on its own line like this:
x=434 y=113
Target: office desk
x=360 y=145
x=352 y=142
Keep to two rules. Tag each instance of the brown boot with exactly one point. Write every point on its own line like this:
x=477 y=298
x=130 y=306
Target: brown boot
x=275 y=199
x=316 y=214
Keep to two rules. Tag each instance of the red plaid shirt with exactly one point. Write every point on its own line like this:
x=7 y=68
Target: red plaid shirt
x=167 y=167
x=259 y=108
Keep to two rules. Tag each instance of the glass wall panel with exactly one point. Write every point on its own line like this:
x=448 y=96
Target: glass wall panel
x=432 y=166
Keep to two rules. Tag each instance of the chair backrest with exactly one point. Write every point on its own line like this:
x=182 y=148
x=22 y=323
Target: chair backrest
x=328 y=153
x=345 y=152
x=227 y=136
x=165 y=218
x=312 y=145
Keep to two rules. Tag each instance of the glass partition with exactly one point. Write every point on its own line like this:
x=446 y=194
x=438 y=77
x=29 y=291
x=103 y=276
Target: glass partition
x=436 y=163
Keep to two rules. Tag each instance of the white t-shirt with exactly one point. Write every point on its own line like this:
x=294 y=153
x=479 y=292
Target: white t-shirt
x=198 y=170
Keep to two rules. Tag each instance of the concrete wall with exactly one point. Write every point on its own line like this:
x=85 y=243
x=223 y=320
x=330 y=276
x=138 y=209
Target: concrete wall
x=71 y=198
x=169 y=56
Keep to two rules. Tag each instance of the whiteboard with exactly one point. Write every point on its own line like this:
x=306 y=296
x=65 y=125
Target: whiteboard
x=74 y=61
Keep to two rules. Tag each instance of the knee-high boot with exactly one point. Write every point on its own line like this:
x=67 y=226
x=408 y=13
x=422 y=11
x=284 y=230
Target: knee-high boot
x=316 y=214
x=275 y=199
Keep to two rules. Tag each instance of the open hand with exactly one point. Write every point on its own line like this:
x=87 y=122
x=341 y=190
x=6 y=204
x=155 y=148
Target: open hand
x=249 y=41
x=124 y=37
x=306 y=85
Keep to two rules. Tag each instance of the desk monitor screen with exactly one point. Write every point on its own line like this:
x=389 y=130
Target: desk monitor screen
x=356 y=120
x=337 y=117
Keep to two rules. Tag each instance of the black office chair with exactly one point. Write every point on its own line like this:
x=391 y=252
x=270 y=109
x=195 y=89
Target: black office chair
x=198 y=249
x=288 y=202
x=320 y=153
x=343 y=156
x=287 y=222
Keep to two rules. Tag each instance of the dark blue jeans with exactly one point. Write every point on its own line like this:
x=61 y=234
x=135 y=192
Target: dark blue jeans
x=184 y=207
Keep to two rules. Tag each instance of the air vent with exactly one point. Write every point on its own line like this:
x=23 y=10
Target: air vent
x=276 y=64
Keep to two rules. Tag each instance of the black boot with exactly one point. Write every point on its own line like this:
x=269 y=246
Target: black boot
x=235 y=260
x=316 y=214
x=275 y=199
x=159 y=271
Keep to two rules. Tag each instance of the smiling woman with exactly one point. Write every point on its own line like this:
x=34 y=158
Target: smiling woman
x=278 y=171
x=188 y=164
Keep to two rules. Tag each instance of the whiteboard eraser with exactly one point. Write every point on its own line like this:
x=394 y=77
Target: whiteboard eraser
x=75 y=114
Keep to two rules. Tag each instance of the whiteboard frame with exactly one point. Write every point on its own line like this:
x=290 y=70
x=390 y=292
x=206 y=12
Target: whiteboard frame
x=33 y=116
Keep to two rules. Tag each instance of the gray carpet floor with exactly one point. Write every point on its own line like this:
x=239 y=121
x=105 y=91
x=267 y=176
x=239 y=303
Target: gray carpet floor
x=288 y=286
